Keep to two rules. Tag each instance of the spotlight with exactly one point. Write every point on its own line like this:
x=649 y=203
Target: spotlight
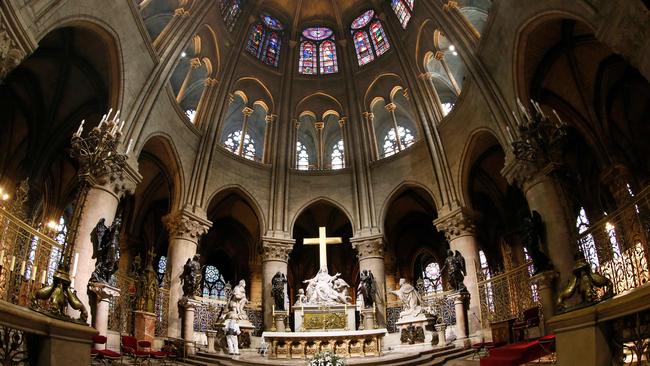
x=183 y=54
x=455 y=53
x=452 y=48
x=5 y=197
x=52 y=225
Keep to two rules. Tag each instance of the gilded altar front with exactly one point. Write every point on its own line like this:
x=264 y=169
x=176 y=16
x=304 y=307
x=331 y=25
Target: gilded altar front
x=313 y=318
x=304 y=345
x=325 y=321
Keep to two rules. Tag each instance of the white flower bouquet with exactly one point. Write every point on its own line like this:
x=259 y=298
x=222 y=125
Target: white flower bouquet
x=326 y=359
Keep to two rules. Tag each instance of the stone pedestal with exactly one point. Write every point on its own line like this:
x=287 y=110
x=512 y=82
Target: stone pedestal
x=368 y=319
x=211 y=335
x=189 y=307
x=279 y=321
x=144 y=326
x=442 y=335
x=103 y=295
x=545 y=285
x=420 y=321
x=460 y=300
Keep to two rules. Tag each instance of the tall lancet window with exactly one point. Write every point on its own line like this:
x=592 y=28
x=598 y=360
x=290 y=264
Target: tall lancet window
x=317 y=52
x=244 y=129
x=403 y=10
x=230 y=10
x=364 y=28
x=265 y=40
x=319 y=143
x=393 y=123
x=587 y=242
x=445 y=73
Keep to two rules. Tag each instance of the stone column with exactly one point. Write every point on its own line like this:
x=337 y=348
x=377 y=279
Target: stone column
x=544 y=195
x=195 y=63
x=460 y=231
x=544 y=282
x=390 y=107
x=275 y=257
x=189 y=308
x=460 y=300
x=100 y=203
x=103 y=295
x=370 y=251
x=167 y=34
x=185 y=229
x=244 y=128
x=319 y=145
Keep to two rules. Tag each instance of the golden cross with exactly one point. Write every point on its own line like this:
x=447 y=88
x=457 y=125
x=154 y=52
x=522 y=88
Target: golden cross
x=322 y=242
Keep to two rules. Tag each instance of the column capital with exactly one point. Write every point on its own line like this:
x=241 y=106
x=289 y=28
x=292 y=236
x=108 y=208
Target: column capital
x=450 y=5
x=457 y=223
x=103 y=291
x=270 y=118
x=181 y=12
x=275 y=249
x=342 y=121
x=10 y=54
x=247 y=111
x=369 y=116
x=195 y=63
x=426 y=75
x=296 y=123
x=319 y=125
x=525 y=173
x=119 y=182
x=390 y=107
x=210 y=82
x=184 y=224
x=439 y=55
x=369 y=246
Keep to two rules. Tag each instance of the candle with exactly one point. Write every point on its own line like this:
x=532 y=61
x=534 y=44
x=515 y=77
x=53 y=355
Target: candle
x=34 y=273
x=516 y=119
x=512 y=138
x=121 y=126
x=22 y=268
x=129 y=146
x=81 y=128
x=558 y=117
x=74 y=266
x=2 y=257
x=117 y=114
x=43 y=275
x=13 y=263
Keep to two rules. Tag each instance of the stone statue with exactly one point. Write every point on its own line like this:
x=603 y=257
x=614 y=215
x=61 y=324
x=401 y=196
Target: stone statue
x=238 y=300
x=532 y=233
x=456 y=270
x=411 y=300
x=301 y=299
x=191 y=276
x=278 y=282
x=106 y=250
x=324 y=289
x=367 y=288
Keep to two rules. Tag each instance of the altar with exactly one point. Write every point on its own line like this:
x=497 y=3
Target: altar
x=304 y=345
x=314 y=318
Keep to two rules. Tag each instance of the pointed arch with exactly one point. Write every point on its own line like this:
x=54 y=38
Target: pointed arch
x=320 y=199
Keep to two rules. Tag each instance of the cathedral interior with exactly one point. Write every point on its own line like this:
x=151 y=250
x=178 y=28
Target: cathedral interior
x=485 y=160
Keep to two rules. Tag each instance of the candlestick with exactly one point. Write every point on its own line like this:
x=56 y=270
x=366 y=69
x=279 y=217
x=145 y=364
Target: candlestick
x=13 y=263
x=512 y=137
x=129 y=146
x=22 y=268
x=2 y=257
x=516 y=119
x=558 y=117
x=74 y=266
x=43 y=276
x=81 y=128
x=34 y=273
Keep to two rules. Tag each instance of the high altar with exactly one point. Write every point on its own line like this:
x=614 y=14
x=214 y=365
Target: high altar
x=324 y=319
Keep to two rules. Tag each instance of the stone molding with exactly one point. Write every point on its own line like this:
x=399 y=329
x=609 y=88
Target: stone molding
x=458 y=223
x=274 y=249
x=188 y=303
x=369 y=247
x=186 y=225
x=15 y=41
x=103 y=291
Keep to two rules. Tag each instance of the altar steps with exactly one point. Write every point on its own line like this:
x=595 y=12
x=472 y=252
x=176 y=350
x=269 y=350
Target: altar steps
x=429 y=357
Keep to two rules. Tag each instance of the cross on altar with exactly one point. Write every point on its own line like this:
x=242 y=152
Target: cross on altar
x=322 y=242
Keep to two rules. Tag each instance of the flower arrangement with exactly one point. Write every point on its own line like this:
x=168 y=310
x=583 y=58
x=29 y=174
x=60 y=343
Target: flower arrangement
x=326 y=359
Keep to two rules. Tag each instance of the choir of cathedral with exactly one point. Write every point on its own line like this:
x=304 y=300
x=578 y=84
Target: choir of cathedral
x=365 y=181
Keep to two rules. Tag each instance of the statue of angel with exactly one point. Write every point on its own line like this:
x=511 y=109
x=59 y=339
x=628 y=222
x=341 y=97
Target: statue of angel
x=532 y=232
x=106 y=250
x=456 y=270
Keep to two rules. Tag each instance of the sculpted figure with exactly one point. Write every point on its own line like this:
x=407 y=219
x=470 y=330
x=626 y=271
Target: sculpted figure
x=278 y=282
x=411 y=300
x=106 y=250
x=341 y=291
x=532 y=232
x=191 y=276
x=301 y=299
x=456 y=272
x=238 y=300
x=367 y=288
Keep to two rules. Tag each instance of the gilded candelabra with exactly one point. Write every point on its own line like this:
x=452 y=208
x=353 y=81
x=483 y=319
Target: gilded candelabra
x=100 y=163
x=536 y=138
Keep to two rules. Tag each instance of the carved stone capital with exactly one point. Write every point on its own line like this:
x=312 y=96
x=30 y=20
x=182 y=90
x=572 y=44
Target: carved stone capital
x=524 y=173
x=274 y=249
x=390 y=107
x=186 y=225
x=450 y=5
x=457 y=223
x=119 y=182
x=211 y=82
x=368 y=247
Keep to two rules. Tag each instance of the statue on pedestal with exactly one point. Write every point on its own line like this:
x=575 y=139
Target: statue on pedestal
x=146 y=284
x=191 y=276
x=106 y=250
x=367 y=288
x=278 y=282
x=532 y=232
x=324 y=289
x=456 y=270
x=411 y=300
x=238 y=300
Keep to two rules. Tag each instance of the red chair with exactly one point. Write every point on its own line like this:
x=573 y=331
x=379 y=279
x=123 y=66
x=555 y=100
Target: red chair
x=130 y=349
x=156 y=355
x=105 y=355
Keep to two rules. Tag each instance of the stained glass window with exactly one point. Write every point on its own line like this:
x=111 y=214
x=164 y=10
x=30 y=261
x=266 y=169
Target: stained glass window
x=307 y=62
x=161 y=269
x=587 y=243
x=55 y=254
x=302 y=157
x=213 y=283
x=403 y=15
x=432 y=278
x=410 y=3
x=264 y=40
x=234 y=139
x=338 y=157
x=362 y=46
x=230 y=9
x=390 y=140
x=317 y=52
x=379 y=39
x=364 y=28
x=191 y=113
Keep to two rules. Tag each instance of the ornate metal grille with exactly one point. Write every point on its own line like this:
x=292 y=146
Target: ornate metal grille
x=630 y=341
x=507 y=295
x=441 y=304
x=13 y=347
x=120 y=314
x=162 y=307
x=617 y=245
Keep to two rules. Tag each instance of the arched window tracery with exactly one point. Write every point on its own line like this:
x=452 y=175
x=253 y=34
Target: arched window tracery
x=391 y=147
x=337 y=155
x=302 y=157
x=214 y=285
x=317 y=52
x=244 y=129
x=234 y=141
x=432 y=278
x=364 y=28
x=230 y=10
x=446 y=73
x=265 y=40
x=403 y=10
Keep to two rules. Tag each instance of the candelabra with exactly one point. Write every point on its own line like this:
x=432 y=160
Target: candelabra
x=536 y=139
x=100 y=163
